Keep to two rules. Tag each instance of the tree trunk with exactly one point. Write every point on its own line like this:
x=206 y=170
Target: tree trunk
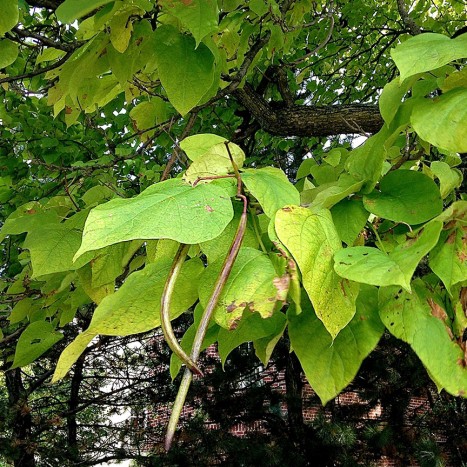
x=73 y=402
x=294 y=384
x=21 y=441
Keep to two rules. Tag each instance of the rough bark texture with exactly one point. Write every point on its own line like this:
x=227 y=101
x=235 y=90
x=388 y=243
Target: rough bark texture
x=22 y=422
x=294 y=384
x=303 y=120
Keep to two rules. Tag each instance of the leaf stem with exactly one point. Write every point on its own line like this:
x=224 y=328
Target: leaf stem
x=165 y=309
x=375 y=231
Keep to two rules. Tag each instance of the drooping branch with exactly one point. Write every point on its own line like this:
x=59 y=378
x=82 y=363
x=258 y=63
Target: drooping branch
x=305 y=120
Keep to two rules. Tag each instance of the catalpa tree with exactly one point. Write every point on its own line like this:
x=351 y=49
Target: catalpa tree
x=163 y=157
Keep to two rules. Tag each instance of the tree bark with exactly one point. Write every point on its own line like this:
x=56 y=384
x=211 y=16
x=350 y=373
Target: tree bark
x=294 y=385
x=73 y=403
x=305 y=120
x=22 y=422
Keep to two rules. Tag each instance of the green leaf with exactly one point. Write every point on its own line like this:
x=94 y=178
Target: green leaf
x=8 y=52
x=442 y=121
x=260 y=7
x=365 y=163
x=449 y=259
x=210 y=156
x=49 y=54
x=250 y=328
x=27 y=218
x=197 y=146
x=349 y=217
x=36 y=339
x=21 y=310
x=52 y=248
x=405 y=196
x=71 y=10
x=330 y=365
x=186 y=72
x=449 y=179
x=305 y=168
x=312 y=240
x=250 y=286
x=135 y=306
x=110 y=263
x=326 y=196
x=372 y=266
x=200 y=17
x=271 y=188
x=71 y=353
x=219 y=246
x=409 y=317
x=148 y=114
x=391 y=98
x=96 y=294
x=265 y=345
x=121 y=28
x=171 y=209
x=426 y=52
x=9 y=17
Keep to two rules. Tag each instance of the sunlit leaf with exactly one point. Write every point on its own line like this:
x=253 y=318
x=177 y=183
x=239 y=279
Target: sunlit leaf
x=171 y=209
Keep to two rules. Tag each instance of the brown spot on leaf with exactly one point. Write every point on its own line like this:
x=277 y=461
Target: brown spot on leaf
x=282 y=285
x=440 y=313
x=452 y=237
x=68 y=110
x=232 y=307
x=436 y=310
x=31 y=211
x=287 y=209
x=463 y=299
x=208 y=208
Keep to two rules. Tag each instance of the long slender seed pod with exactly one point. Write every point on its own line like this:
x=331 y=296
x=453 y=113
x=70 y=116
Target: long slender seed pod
x=203 y=325
x=165 y=309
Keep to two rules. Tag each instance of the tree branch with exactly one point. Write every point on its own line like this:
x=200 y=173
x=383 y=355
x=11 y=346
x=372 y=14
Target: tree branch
x=304 y=120
x=409 y=23
x=50 y=4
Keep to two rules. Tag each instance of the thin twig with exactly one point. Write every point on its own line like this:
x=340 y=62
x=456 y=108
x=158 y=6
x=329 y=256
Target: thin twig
x=176 y=151
x=40 y=71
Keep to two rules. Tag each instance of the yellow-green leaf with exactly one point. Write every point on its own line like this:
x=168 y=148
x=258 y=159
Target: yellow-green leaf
x=312 y=240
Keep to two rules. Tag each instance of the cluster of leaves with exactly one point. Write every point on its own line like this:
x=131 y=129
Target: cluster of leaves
x=394 y=201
